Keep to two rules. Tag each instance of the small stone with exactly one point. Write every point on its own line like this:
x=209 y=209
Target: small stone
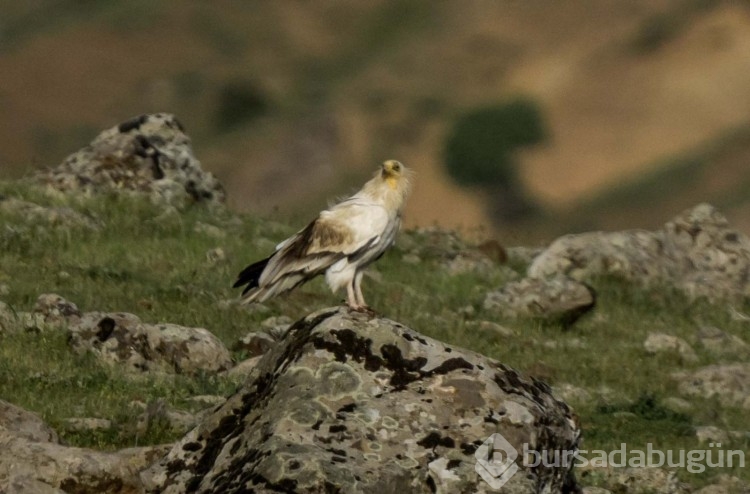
x=8 y=320
x=4 y=290
x=86 y=424
x=730 y=383
x=244 y=368
x=720 y=342
x=411 y=258
x=677 y=404
x=56 y=309
x=276 y=321
x=664 y=343
x=209 y=230
x=595 y=490
x=569 y=393
x=253 y=344
x=494 y=327
x=207 y=400
x=216 y=256
x=710 y=433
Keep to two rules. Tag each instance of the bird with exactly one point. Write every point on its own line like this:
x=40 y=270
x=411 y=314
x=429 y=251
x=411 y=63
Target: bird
x=341 y=242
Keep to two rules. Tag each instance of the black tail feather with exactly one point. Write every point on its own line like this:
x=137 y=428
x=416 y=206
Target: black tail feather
x=250 y=275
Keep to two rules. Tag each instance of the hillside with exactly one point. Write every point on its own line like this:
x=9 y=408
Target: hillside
x=119 y=329
x=291 y=103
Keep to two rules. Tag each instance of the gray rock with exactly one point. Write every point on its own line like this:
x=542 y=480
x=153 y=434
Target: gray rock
x=244 y=368
x=570 y=393
x=150 y=154
x=158 y=412
x=665 y=343
x=25 y=424
x=121 y=338
x=553 y=299
x=641 y=479
x=677 y=404
x=45 y=467
x=719 y=342
x=276 y=326
x=216 y=256
x=254 y=344
x=449 y=250
x=207 y=401
x=55 y=309
x=33 y=213
x=209 y=230
x=725 y=484
x=87 y=424
x=523 y=255
x=26 y=484
x=730 y=383
x=8 y=319
x=358 y=404
x=697 y=253
x=711 y=434
x=493 y=327
x=595 y=490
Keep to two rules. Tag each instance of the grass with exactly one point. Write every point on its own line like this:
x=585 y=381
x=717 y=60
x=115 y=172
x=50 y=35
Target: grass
x=154 y=264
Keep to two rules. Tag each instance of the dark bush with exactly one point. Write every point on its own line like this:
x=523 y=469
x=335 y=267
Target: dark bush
x=239 y=103
x=480 y=148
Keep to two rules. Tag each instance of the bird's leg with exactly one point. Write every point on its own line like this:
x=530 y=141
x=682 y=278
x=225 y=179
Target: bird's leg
x=362 y=305
x=351 y=296
x=358 y=289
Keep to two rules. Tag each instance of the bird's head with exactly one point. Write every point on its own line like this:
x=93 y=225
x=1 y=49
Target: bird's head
x=390 y=184
x=393 y=172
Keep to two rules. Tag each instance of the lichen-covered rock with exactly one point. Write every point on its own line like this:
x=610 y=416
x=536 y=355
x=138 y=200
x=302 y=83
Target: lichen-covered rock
x=448 y=249
x=8 y=319
x=121 y=338
x=640 y=480
x=666 y=343
x=25 y=424
x=150 y=154
x=54 y=216
x=55 y=309
x=730 y=383
x=348 y=403
x=721 y=343
x=28 y=465
x=697 y=253
x=254 y=344
x=552 y=299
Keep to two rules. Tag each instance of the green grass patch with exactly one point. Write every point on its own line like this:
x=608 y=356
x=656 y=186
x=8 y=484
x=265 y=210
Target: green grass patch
x=143 y=259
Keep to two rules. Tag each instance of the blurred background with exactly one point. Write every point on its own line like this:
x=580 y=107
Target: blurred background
x=523 y=118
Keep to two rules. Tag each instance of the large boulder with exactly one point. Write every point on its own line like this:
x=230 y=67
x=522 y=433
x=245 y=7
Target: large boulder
x=729 y=383
x=32 y=460
x=121 y=338
x=27 y=465
x=557 y=299
x=350 y=403
x=697 y=252
x=150 y=154
x=25 y=424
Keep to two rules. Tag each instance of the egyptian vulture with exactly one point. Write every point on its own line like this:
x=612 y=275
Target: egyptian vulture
x=342 y=241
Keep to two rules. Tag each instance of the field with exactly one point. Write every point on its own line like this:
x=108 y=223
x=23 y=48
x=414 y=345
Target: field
x=152 y=262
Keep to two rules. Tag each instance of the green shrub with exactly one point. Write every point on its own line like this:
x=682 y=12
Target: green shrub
x=479 y=149
x=239 y=103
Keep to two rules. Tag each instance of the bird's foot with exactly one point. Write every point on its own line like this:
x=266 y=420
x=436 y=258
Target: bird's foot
x=362 y=309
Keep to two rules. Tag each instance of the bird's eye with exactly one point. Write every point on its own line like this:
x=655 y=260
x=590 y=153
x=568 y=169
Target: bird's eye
x=396 y=167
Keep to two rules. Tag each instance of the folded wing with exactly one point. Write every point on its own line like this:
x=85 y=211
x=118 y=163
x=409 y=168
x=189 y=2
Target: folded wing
x=348 y=230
